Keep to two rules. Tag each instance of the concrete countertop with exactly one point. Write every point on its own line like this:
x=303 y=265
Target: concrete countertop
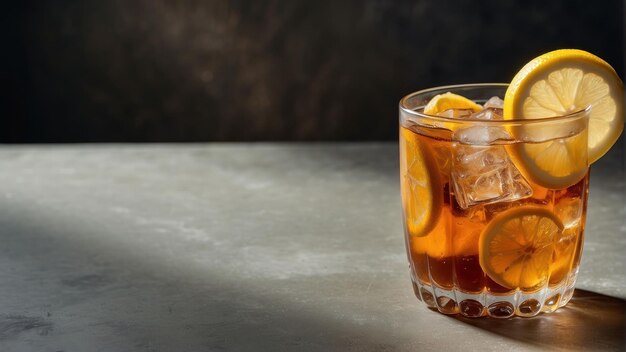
x=254 y=247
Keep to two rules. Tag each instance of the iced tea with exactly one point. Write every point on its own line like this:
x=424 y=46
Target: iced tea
x=483 y=239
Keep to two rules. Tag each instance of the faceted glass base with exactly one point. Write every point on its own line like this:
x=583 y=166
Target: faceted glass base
x=475 y=305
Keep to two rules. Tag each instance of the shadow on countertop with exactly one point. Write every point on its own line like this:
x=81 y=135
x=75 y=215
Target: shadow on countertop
x=92 y=293
x=590 y=321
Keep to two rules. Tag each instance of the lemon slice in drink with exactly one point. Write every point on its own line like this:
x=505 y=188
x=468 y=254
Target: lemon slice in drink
x=516 y=247
x=558 y=83
x=442 y=102
x=421 y=186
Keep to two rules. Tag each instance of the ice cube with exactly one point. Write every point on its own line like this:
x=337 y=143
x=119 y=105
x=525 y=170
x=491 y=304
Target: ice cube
x=494 y=103
x=488 y=114
x=480 y=135
x=456 y=113
x=484 y=175
x=569 y=210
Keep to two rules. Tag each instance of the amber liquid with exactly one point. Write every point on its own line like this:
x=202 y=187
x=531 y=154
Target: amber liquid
x=446 y=256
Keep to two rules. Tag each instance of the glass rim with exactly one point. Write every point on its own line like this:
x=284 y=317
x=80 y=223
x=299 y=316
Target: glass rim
x=403 y=107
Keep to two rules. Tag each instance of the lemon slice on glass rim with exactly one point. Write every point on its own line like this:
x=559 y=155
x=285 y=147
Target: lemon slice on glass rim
x=558 y=83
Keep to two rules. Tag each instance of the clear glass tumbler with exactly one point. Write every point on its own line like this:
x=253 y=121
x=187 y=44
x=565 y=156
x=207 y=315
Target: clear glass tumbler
x=487 y=232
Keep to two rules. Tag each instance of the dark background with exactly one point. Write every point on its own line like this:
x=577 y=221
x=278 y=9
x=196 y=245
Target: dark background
x=167 y=70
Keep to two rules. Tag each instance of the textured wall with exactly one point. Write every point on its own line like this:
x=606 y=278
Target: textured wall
x=163 y=70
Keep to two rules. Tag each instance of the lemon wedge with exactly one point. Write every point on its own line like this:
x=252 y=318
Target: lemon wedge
x=558 y=83
x=442 y=102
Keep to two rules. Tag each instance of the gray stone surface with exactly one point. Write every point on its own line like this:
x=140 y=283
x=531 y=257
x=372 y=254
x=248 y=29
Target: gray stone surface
x=253 y=247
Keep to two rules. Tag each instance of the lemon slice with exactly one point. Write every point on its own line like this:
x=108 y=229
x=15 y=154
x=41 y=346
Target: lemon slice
x=559 y=83
x=442 y=102
x=421 y=187
x=516 y=247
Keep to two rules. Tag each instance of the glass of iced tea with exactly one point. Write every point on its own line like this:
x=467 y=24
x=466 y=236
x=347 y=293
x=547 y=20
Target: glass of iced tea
x=482 y=237
x=494 y=182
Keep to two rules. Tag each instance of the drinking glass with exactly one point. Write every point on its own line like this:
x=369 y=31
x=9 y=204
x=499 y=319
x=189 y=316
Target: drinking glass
x=482 y=237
